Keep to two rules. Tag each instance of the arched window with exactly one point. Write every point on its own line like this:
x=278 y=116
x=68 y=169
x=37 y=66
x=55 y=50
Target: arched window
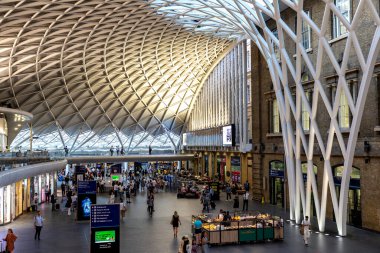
x=354 y=178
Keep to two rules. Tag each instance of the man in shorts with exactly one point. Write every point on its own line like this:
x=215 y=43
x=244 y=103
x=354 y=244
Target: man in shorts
x=198 y=230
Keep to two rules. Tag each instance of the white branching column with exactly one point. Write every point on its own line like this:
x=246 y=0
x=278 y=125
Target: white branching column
x=250 y=19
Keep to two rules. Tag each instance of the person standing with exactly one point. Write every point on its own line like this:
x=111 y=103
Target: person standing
x=38 y=224
x=47 y=193
x=63 y=188
x=306 y=230
x=10 y=239
x=35 y=200
x=198 y=230
x=115 y=188
x=245 y=201
x=228 y=191
x=236 y=202
x=175 y=223
x=53 y=201
x=246 y=186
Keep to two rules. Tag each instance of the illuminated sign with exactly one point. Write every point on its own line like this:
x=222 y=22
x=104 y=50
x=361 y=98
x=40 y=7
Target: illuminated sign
x=229 y=135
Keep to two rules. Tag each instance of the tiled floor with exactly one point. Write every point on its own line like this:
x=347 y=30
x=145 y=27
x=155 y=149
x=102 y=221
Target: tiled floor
x=141 y=233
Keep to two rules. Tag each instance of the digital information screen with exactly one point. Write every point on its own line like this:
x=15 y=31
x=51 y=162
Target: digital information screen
x=115 y=177
x=105 y=236
x=105 y=231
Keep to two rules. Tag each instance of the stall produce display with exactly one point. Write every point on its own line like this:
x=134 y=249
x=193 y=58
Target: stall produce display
x=188 y=190
x=242 y=228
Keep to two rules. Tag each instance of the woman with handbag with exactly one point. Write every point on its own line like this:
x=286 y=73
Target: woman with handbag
x=175 y=222
x=10 y=239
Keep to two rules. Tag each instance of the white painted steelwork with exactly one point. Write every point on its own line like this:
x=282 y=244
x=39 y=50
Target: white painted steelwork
x=250 y=19
x=97 y=73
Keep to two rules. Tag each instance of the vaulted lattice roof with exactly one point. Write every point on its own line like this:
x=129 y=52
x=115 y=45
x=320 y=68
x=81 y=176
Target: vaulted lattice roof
x=88 y=69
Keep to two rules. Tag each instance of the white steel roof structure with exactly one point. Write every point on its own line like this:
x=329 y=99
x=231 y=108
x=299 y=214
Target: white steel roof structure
x=100 y=73
x=233 y=18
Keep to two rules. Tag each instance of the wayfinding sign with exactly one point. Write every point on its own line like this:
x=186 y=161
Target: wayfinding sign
x=105 y=228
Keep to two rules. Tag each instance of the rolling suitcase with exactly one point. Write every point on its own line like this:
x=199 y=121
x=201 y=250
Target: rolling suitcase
x=57 y=206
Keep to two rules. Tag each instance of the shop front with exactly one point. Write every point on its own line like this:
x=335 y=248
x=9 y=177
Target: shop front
x=7 y=204
x=276 y=183
x=354 y=195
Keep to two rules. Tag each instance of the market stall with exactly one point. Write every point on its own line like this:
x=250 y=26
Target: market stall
x=188 y=189
x=242 y=228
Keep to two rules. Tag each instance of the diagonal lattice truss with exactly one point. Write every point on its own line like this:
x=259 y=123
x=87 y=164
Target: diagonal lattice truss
x=252 y=19
x=99 y=73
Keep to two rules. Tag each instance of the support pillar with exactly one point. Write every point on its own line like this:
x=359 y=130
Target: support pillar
x=228 y=168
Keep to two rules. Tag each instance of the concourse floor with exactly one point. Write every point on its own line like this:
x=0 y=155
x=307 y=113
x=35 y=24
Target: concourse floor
x=143 y=234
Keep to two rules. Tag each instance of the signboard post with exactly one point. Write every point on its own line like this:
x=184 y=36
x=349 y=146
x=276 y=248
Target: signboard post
x=86 y=198
x=105 y=228
x=80 y=171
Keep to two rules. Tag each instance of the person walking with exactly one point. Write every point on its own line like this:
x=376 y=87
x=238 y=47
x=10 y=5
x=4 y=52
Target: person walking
x=150 y=203
x=38 y=224
x=112 y=198
x=245 y=201
x=10 y=240
x=183 y=245
x=123 y=210
x=204 y=241
x=305 y=226
x=175 y=222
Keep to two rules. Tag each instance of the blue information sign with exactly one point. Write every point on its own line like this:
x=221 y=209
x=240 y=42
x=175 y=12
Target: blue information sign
x=105 y=216
x=86 y=187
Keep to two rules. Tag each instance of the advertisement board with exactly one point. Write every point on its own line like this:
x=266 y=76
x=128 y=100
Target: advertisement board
x=86 y=198
x=84 y=205
x=228 y=133
x=115 y=169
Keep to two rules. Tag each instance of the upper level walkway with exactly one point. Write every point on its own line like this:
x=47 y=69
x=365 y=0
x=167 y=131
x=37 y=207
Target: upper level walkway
x=13 y=175
x=141 y=233
x=96 y=158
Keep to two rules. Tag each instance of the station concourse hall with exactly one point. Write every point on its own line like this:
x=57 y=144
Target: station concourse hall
x=189 y=126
